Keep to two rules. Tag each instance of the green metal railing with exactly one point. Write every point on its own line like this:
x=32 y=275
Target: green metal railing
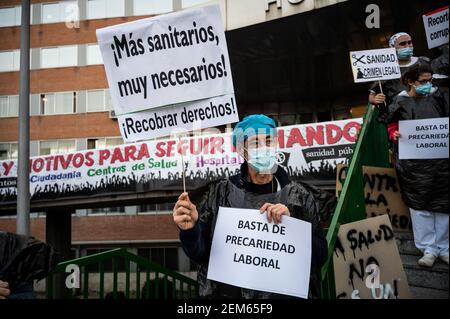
x=371 y=149
x=159 y=282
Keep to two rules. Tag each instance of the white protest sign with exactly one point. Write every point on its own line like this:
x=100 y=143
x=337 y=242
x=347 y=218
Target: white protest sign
x=168 y=60
x=374 y=65
x=436 y=27
x=188 y=116
x=249 y=252
x=423 y=139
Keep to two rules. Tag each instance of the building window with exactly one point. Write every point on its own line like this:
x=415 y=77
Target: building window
x=51 y=13
x=10 y=16
x=119 y=210
x=324 y=116
x=147 y=209
x=342 y=113
x=68 y=55
x=58 y=11
x=9 y=106
x=108 y=101
x=57 y=147
x=141 y=7
x=62 y=56
x=288 y=119
x=103 y=142
x=9 y=60
x=50 y=57
x=98 y=9
x=8 y=217
x=8 y=151
x=306 y=118
x=93 y=54
x=98 y=101
x=37 y=215
x=58 y=103
x=153 y=209
x=191 y=3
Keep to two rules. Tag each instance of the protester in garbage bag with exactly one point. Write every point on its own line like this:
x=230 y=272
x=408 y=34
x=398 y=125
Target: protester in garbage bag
x=261 y=184
x=440 y=67
x=402 y=42
x=424 y=182
x=22 y=260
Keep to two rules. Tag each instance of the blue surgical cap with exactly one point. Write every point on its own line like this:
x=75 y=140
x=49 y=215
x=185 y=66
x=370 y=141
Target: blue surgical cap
x=253 y=125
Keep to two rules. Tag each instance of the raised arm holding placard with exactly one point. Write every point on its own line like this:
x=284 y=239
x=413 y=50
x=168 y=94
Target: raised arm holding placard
x=424 y=181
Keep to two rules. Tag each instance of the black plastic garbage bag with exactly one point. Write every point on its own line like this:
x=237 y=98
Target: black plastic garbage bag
x=23 y=259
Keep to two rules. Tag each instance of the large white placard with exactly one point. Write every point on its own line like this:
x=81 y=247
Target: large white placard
x=423 y=139
x=167 y=59
x=176 y=61
x=436 y=27
x=247 y=251
x=374 y=65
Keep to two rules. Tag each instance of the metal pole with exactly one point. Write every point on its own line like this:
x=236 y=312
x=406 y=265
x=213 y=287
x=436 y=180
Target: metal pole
x=23 y=184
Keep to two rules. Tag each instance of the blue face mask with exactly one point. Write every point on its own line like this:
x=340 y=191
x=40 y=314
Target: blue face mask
x=424 y=89
x=262 y=159
x=404 y=53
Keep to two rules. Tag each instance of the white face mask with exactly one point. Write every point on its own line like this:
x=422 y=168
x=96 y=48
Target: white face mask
x=262 y=159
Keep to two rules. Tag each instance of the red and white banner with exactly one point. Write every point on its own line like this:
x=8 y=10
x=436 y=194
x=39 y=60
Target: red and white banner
x=307 y=152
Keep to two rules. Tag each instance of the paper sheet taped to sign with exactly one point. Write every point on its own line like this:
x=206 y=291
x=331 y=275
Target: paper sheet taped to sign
x=374 y=65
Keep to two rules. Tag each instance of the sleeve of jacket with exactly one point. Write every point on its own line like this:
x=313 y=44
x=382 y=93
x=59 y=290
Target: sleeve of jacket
x=196 y=241
x=396 y=110
x=325 y=202
x=308 y=209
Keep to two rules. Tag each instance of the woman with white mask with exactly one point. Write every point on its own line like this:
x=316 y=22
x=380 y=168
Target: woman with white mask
x=403 y=44
x=424 y=182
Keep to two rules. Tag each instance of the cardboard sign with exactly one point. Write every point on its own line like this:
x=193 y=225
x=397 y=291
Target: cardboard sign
x=249 y=252
x=383 y=196
x=166 y=60
x=374 y=65
x=436 y=27
x=424 y=139
x=341 y=173
x=367 y=263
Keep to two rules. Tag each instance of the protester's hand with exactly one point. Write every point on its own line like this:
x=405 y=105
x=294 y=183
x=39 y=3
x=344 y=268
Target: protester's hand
x=380 y=98
x=185 y=213
x=4 y=289
x=396 y=135
x=274 y=211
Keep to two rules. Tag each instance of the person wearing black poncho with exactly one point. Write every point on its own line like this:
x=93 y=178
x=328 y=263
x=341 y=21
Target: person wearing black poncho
x=262 y=185
x=403 y=44
x=424 y=182
x=22 y=260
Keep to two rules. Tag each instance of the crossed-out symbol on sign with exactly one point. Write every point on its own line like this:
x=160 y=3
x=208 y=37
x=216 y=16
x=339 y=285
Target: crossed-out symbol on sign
x=358 y=59
x=280 y=157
